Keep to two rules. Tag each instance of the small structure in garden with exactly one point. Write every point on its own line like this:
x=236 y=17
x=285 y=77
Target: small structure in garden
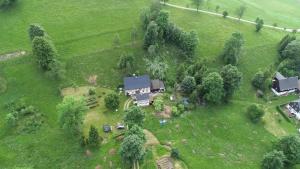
x=284 y=85
x=294 y=108
x=107 y=128
x=140 y=88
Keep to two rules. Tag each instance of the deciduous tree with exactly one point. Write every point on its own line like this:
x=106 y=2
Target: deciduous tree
x=112 y=101
x=151 y=35
x=197 y=3
x=134 y=115
x=290 y=146
x=71 y=115
x=274 y=160
x=35 y=30
x=240 y=11
x=94 y=138
x=188 y=85
x=232 y=78
x=233 y=49
x=259 y=24
x=213 y=88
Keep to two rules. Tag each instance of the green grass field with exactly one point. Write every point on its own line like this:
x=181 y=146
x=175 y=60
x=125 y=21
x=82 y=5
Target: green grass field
x=283 y=12
x=216 y=136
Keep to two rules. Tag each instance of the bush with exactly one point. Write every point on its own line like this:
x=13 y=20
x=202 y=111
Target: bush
x=274 y=160
x=112 y=101
x=92 y=91
x=255 y=113
x=175 y=153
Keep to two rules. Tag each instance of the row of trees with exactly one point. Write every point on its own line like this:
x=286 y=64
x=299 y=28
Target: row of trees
x=159 y=30
x=45 y=52
x=289 y=50
x=213 y=87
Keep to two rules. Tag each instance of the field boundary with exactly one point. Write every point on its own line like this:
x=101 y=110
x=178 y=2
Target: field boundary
x=229 y=17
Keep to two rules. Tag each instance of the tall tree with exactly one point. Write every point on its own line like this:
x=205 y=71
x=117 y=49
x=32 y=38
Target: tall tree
x=274 y=160
x=197 y=3
x=290 y=146
x=138 y=131
x=44 y=51
x=132 y=149
x=157 y=67
x=134 y=115
x=233 y=49
x=188 y=85
x=151 y=35
x=259 y=24
x=112 y=101
x=240 y=11
x=35 y=30
x=134 y=35
x=94 y=138
x=285 y=41
x=232 y=78
x=188 y=43
x=126 y=62
x=71 y=115
x=212 y=88
x=292 y=50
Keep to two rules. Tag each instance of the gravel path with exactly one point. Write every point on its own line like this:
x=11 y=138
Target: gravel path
x=229 y=17
x=12 y=55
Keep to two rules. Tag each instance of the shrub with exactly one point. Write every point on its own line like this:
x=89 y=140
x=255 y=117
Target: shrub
x=290 y=146
x=255 y=113
x=274 y=160
x=92 y=91
x=225 y=14
x=112 y=101
x=175 y=153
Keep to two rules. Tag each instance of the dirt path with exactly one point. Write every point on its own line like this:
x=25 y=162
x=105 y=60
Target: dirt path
x=12 y=55
x=229 y=17
x=127 y=103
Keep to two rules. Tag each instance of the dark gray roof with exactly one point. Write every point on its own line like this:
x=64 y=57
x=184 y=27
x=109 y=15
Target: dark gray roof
x=157 y=84
x=137 y=82
x=279 y=76
x=288 y=83
x=140 y=97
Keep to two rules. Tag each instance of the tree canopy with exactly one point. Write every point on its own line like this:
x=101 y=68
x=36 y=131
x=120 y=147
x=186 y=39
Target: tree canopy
x=212 y=88
x=112 y=101
x=232 y=78
x=71 y=115
x=134 y=115
x=274 y=160
x=188 y=85
x=138 y=131
x=151 y=35
x=126 y=62
x=35 y=30
x=233 y=49
x=290 y=146
x=94 y=138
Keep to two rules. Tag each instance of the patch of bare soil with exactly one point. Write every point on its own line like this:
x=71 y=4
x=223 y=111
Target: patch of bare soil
x=92 y=80
x=75 y=91
x=98 y=167
x=151 y=139
x=167 y=113
x=12 y=55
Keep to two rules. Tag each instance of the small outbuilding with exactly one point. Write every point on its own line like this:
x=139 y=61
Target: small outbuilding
x=157 y=86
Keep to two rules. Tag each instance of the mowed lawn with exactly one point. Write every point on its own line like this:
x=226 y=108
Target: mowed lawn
x=283 y=12
x=215 y=136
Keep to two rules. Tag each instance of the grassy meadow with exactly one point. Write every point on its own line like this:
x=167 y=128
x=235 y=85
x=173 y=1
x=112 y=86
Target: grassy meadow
x=209 y=137
x=284 y=13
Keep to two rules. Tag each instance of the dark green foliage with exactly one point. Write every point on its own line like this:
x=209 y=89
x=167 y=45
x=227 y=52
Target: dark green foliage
x=175 y=153
x=57 y=70
x=157 y=68
x=188 y=85
x=233 y=49
x=188 y=43
x=240 y=11
x=35 y=30
x=290 y=146
x=180 y=73
x=255 y=113
x=225 y=14
x=134 y=116
x=132 y=149
x=126 y=62
x=232 y=79
x=94 y=138
x=274 y=160
x=5 y=4
x=45 y=52
x=162 y=21
x=288 y=68
x=292 y=50
x=213 y=88
x=198 y=71
x=197 y=3
x=26 y=119
x=112 y=101
x=284 y=42
x=151 y=35
x=262 y=80
x=82 y=141
x=138 y=131
x=259 y=24
x=71 y=115
x=92 y=91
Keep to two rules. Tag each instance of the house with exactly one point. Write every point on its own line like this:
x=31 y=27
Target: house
x=157 y=86
x=140 y=88
x=137 y=85
x=284 y=85
x=294 y=108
